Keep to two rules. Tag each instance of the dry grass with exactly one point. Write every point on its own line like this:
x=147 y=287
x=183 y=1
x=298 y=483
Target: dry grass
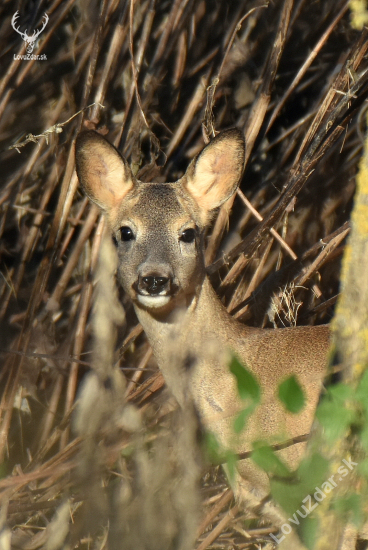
x=293 y=76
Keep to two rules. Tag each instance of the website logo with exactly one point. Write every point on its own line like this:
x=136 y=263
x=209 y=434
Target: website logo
x=29 y=40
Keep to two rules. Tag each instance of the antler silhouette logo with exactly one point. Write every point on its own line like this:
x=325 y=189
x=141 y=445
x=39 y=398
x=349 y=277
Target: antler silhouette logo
x=30 y=40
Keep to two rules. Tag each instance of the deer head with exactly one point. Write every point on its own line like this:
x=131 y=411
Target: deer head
x=158 y=227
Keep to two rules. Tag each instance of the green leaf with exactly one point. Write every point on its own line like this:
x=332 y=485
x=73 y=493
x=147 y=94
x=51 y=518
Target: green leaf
x=333 y=413
x=241 y=420
x=312 y=471
x=231 y=462
x=212 y=448
x=309 y=531
x=363 y=468
x=334 y=418
x=340 y=392
x=287 y=495
x=352 y=506
x=248 y=387
x=217 y=454
x=364 y=437
x=291 y=394
x=265 y=457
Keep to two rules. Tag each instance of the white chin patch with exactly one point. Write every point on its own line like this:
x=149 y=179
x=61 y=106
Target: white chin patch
x=153 y=301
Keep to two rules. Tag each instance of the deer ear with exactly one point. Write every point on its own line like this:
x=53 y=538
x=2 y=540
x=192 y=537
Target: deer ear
x=103 y=173
x=213 y=176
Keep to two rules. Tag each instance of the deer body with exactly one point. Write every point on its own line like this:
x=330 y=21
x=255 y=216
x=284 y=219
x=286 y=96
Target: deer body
x=158 y=229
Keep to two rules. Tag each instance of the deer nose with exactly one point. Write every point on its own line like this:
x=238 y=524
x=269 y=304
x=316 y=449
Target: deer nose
x=154 y=284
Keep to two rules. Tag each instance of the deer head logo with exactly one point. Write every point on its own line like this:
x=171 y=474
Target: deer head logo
x=30 y=40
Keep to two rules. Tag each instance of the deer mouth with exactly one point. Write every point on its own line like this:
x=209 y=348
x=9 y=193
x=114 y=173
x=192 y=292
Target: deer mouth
x=154 y=291
x=153 y=302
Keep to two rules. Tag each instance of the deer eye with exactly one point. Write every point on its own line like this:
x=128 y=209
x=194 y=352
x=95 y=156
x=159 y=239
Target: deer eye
x=126 y=233
x=188 y=235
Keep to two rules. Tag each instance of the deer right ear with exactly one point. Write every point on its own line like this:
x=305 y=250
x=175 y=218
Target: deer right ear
x=213 y=176
x=103 y=173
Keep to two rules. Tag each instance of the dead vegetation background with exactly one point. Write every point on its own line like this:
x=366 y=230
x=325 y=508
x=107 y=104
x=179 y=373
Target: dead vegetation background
x=121 y=469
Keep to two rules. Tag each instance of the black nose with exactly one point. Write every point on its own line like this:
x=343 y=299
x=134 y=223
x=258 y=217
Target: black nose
x=154 y=284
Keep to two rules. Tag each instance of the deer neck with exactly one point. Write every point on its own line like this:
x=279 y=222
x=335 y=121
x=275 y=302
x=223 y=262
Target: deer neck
x=183 y=336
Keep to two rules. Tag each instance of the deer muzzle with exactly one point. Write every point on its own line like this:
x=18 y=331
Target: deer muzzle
x=154 y=290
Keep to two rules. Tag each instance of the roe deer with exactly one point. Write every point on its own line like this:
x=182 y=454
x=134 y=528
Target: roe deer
x=158 y=229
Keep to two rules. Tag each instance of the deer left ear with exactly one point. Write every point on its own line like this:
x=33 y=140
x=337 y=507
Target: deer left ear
x=213 y=176
x=103 y=173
